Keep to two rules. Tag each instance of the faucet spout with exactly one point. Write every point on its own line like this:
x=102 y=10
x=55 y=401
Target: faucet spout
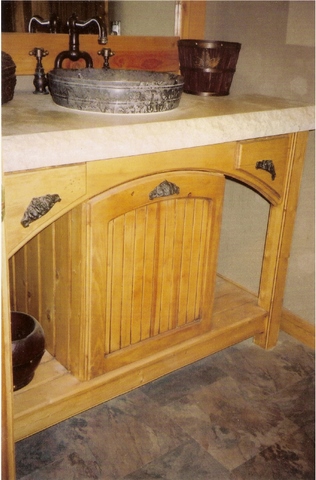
x=103 y=39
x=74 y=53
x=52 y=25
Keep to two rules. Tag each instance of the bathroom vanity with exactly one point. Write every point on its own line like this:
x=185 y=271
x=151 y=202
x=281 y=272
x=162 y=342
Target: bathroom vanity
x=121 y=272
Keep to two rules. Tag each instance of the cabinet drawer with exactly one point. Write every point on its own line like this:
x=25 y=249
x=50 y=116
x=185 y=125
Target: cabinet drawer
x=264 y=161
x=20 y=188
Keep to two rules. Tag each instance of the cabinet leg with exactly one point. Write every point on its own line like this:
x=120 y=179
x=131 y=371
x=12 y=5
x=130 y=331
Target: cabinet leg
x=278 y=244
x=266 y=341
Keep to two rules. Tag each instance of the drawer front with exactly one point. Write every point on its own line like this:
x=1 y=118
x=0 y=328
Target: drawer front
x=69 y=183
x=264 y=161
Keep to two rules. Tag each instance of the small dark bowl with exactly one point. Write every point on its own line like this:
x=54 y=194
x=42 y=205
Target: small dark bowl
x=28 y=347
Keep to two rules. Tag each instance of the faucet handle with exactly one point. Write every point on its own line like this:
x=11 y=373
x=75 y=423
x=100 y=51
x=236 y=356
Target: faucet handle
x=39 y=52
x=106 y=54
x=40 y=79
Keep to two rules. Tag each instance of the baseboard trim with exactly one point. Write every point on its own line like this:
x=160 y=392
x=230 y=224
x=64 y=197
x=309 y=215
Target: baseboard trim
x=298 y=328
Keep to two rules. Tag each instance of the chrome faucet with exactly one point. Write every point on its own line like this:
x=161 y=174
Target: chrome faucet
x=74 y=25
x=52 y=25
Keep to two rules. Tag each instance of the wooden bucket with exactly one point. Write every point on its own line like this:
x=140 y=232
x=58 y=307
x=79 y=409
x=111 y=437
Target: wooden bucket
x=207 y=66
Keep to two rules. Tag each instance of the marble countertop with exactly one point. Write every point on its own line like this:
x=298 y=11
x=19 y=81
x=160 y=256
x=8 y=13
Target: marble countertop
x=36 y=133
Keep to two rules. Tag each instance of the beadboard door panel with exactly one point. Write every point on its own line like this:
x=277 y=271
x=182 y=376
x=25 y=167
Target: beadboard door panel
x=152 y=265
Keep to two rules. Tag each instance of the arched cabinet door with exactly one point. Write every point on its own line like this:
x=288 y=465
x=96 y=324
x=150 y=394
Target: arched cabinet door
x=152 y=251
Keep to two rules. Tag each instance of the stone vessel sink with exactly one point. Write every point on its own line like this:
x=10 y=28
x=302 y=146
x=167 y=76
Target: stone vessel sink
x=115 y=91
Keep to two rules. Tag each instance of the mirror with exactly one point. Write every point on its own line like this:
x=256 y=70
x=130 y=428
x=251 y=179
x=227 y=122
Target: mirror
x=155 y=18
x=136 y=17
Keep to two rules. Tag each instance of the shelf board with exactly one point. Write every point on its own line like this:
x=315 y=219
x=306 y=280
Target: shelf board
x=55 y=395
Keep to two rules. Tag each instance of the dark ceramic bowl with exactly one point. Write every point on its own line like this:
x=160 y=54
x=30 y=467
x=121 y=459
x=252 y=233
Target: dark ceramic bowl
x=28 y=347
x=8 y=78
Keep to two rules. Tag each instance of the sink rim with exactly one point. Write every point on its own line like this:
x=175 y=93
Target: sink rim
x=79 y=76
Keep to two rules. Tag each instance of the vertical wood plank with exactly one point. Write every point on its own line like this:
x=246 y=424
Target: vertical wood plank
x=139 y=265
x=168 y=266
x=177 y=261
x=47 y=280
x=108 y=291
x=62 y=279
x=197 y=251
x=128 y=278
x=116 y=284
x=149 y=271
x=165 y=265
x=158 y=270
x=12 y=283
x=186 y=261
x=32 y=273
x=79 y=320
x=100 y=250
x=20 y=280
x=204 y=257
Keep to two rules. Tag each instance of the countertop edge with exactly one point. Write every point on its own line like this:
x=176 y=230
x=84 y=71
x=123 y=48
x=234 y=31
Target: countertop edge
x=109 y=142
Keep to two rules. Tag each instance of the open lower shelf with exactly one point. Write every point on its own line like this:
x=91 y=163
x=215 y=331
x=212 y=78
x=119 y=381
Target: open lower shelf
x=55 y=395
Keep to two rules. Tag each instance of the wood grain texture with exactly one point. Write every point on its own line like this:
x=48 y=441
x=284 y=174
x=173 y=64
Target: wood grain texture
x=158 y=54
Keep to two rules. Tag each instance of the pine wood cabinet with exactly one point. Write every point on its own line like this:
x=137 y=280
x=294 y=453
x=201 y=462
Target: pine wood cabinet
x=124 y=281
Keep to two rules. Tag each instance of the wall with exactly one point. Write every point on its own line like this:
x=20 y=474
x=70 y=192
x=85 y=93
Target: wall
x=277 y=58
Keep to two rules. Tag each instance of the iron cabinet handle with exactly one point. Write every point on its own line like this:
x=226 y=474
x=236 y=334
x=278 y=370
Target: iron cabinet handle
x=38 y=207
x=164 y=189
x=268 y=166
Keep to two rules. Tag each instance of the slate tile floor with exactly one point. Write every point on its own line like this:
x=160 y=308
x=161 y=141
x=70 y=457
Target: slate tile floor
x=243 y=413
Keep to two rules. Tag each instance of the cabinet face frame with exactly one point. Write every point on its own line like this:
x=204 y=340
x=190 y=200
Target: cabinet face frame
x=214 y=158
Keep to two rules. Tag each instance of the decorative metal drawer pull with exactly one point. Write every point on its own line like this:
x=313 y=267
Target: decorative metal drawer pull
x=38 y=207
x=164 y=189
x=268 y=166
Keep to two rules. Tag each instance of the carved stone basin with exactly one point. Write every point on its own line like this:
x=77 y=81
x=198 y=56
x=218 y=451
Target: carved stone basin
x=115 y=91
